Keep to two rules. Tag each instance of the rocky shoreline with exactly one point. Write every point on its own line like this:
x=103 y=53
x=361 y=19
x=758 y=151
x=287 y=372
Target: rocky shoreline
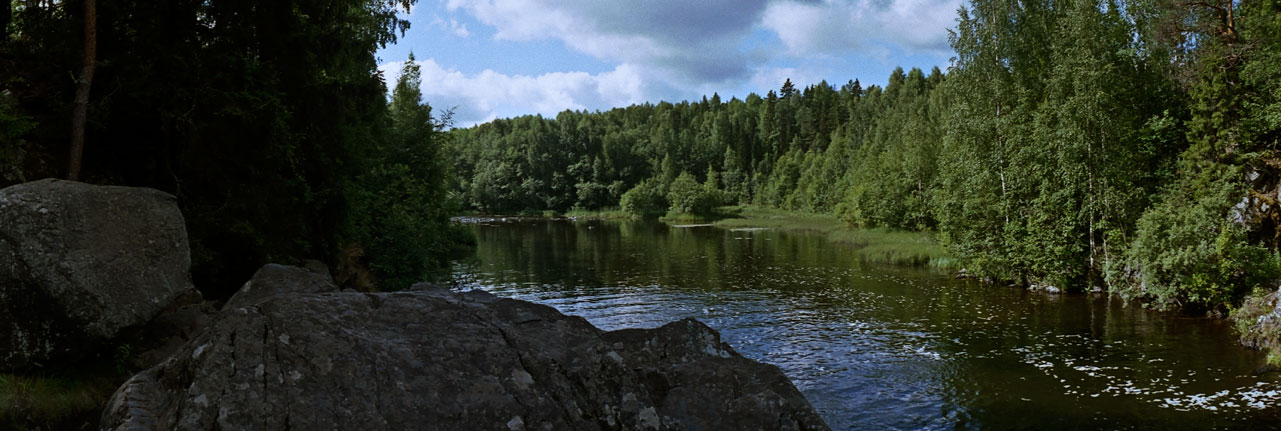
x=291 y=351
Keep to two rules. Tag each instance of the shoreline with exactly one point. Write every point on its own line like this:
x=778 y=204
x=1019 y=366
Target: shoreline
x=895 y=247
x=872 y=245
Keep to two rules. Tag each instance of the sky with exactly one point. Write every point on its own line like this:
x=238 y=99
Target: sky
x=490 y=59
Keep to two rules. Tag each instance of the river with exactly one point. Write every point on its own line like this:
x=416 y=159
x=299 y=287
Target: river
x=887 y=347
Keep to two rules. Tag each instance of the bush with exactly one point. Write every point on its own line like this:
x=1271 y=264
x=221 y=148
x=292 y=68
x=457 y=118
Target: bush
x=687 y=196
x=592 y=195
x=646 y=199
x=1188 y=250
x=13 y=124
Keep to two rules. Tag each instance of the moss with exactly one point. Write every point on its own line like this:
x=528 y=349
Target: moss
x=1259 y=324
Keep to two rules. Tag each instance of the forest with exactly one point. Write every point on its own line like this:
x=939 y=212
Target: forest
x=1087 y=144
x=1122 y=146
x=268 y=120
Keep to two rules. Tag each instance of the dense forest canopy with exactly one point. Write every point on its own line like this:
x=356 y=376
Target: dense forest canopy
x=268 y=120
x=1083 y=144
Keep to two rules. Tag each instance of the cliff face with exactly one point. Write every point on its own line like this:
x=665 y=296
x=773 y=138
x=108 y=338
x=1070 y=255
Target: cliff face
x=291 y=352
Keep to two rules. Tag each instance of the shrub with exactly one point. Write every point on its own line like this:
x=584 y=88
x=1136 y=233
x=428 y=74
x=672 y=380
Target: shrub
x=686 y=195
x=1189 y=250
x=646 y=199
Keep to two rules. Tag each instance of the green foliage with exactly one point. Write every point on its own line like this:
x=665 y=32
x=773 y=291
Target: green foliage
x=649 y=198
x=268 y=121
x=1212 y=239
x=72 y=400
x=1261 y=73
x=1053 y=142
x=605 y=214
x=13 y=125
x=120 y=361
x=896 y=164
x=1190 y=248
x=686 y=195
x=1045 y=154
x=400 y=203
x=877 y=245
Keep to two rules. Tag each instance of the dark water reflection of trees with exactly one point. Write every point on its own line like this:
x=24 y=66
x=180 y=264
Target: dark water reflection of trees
x=885 y=347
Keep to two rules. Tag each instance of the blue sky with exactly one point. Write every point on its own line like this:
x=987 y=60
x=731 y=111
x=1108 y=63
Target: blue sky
x=503 y=58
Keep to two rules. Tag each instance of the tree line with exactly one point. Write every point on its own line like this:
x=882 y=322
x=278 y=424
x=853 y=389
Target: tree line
x=1121 y=144
x=268 y=120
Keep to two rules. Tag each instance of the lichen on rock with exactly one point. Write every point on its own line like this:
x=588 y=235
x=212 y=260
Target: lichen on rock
x=79 y=263
x=446 y=360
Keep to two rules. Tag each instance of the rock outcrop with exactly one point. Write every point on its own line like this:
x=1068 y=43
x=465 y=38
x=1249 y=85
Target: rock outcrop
x=315 y=358
x=1259 y=320
x=78 y=263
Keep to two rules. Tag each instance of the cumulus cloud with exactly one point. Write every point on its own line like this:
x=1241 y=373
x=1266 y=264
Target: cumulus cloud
x=680 y=39
x=672 y=49
x=452 y=26
x=487 y=95
x=840 y=26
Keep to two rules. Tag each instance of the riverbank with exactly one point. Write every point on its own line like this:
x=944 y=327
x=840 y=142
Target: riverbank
x=1257 y=319
x=605 y=214
x=872 y=245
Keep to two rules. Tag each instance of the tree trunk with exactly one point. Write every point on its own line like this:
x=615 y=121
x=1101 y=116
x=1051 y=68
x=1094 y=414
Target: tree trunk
x=6 y=16
x=80 y=113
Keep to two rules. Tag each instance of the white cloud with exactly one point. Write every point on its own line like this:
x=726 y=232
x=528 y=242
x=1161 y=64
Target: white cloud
x=487 y=95
x=674 y=40
x=453 y=26
x=671 y=49
x=834 y=27
x=459 y=30
x=693 y=45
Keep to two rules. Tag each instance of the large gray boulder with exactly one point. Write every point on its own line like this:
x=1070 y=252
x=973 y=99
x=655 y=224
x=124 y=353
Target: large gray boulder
x=78 y=263
x=441 y=360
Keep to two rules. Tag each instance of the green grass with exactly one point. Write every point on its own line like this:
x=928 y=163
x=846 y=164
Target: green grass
x=872 y=245
x=70 y=401
x=717 y=215
x=605 y=214
x=745 y=217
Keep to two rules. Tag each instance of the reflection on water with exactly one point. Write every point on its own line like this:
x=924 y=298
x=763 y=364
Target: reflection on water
x=884 y=347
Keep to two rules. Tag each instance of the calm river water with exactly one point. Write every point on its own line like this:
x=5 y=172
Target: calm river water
x=888 y=347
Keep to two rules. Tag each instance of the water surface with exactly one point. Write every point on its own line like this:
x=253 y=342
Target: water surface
x=888 y=347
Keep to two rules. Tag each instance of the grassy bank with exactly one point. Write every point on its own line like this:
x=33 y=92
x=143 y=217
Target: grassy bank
x=873 y=245
x=717 y=214
x=73 y=400
x=605 y=214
